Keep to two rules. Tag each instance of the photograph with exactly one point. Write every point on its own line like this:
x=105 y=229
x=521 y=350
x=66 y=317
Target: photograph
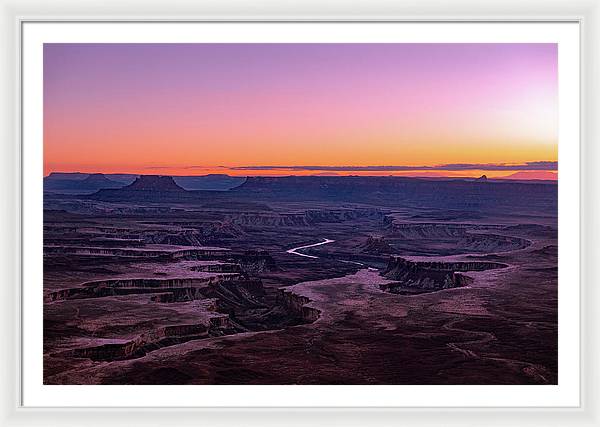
x=244 y=213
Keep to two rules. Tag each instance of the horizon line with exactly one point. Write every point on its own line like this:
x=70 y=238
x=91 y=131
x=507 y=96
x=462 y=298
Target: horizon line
x=546 y=169
x=544 y=175
x=539 y=165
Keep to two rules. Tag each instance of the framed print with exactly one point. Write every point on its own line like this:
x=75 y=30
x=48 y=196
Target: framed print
x=348 y=219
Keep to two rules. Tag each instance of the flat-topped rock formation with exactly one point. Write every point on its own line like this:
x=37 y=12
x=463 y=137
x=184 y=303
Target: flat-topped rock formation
x=209 y=182
x=153 y=183
x=78 y=185
x=464 y=194
x=473 y=196
x=146 y=188
x=101 y=181
x=432 y=275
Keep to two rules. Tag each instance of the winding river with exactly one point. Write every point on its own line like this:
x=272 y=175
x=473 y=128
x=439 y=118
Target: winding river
x=295 y=250
x=324 y=242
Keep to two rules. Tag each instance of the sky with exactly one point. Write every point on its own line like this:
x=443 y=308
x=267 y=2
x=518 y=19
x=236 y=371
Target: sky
x=282 y=109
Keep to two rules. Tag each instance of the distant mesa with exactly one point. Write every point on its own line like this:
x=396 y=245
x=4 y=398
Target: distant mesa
x=155 y=183
x=78 y=183
x=217 y=182
x=99 y=180
x=66 y=175
x=448 y=194
x=146 y=188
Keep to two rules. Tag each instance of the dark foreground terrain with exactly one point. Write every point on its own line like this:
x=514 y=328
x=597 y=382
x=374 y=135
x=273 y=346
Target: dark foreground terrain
x=300 y=280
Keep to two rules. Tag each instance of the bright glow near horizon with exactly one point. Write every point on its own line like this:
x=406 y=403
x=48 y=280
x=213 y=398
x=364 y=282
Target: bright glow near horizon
x=189 y=108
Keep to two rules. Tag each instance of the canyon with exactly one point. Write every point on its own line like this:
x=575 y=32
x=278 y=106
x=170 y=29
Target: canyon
x=299 y=280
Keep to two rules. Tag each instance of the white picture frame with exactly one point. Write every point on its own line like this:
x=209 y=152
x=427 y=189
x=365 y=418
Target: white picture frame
x=16 y=13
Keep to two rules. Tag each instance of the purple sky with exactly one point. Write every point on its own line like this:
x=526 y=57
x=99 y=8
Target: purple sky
x=127 y=107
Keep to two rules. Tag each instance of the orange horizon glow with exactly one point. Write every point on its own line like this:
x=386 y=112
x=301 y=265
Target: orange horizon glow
x=179 y=109
x=474 y=173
